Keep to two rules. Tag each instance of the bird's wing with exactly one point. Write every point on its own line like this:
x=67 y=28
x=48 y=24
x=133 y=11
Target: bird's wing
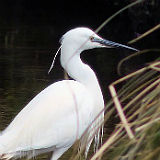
x=55 y=117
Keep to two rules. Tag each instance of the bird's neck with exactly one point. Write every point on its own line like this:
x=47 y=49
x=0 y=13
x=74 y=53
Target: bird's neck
x=83 y=74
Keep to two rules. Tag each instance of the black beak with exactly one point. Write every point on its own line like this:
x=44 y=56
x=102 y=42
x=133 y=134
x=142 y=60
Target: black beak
x=111 y=44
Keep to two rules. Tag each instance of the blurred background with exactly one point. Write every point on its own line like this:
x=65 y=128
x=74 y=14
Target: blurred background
x=29 y=38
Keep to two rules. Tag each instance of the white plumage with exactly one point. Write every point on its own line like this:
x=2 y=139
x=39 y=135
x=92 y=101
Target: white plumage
x=61 y=113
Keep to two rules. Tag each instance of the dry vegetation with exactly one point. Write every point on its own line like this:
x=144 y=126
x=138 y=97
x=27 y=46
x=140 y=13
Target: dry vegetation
x=137 y=104
x=140 y=98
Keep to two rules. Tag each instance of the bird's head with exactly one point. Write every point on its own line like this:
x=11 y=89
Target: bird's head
x=79 y=39
x=83 y=38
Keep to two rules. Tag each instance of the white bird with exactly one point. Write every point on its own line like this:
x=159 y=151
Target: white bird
x=62 y=112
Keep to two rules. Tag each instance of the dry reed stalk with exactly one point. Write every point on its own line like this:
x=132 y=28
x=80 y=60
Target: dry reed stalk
x=110 y=141
x=145 y=34
x=147 y=124
x=120 y=112
x=117 y=102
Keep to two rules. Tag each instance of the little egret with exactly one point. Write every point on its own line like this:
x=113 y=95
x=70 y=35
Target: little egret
x=62 y=112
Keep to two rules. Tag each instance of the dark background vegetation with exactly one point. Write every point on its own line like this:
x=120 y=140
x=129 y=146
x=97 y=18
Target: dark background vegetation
x=30 y=31
x=40 y=24
x=56 y=17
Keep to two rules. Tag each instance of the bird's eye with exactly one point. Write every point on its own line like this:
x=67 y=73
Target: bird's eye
x=91 y=38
